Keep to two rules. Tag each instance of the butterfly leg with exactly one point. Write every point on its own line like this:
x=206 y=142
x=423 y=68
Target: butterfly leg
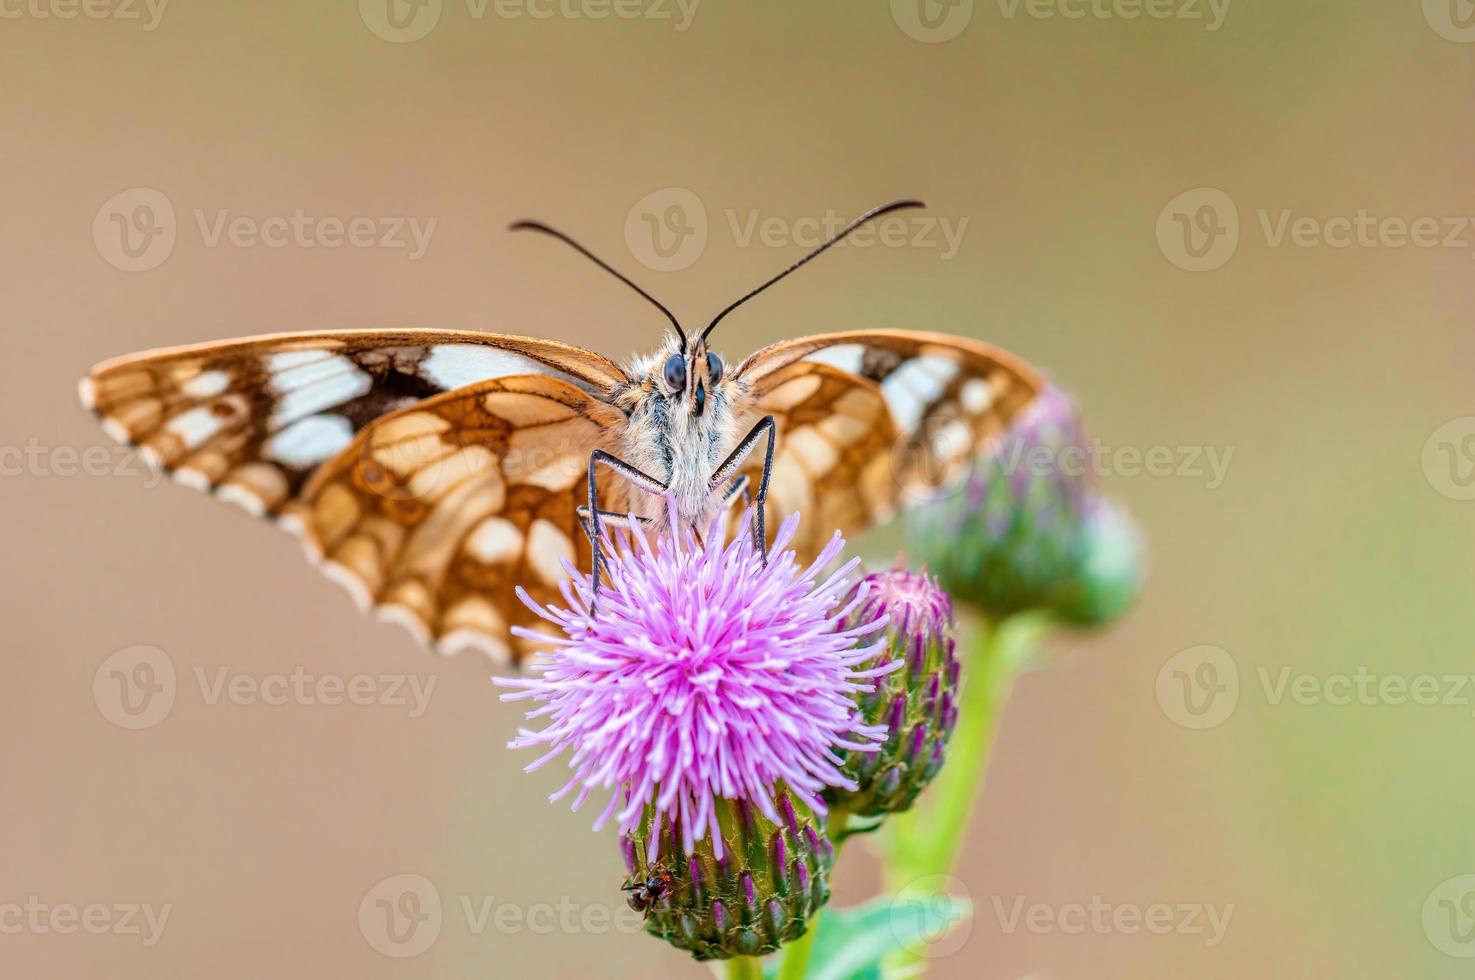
x=738 y=487
x=610 y=517
x=637 y=478
x=764 y=427
x=613 y=518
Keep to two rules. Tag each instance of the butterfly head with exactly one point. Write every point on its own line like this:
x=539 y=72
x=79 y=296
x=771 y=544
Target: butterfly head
x=680 y=410
x=691 y=377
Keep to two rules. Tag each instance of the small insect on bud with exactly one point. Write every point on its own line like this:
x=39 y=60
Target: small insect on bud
x=917 y=704
x=746 y=894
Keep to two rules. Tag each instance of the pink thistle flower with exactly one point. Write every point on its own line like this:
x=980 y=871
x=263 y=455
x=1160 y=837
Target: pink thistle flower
x=702 y=674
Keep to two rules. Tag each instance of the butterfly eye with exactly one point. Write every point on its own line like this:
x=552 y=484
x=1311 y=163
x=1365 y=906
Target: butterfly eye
x=714 y=367
x=675 y=371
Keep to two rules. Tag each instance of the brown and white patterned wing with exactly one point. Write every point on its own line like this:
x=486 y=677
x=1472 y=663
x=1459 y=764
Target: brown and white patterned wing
x=832 y=455
x=251 y=419
x=434 y=514
x=945 y=400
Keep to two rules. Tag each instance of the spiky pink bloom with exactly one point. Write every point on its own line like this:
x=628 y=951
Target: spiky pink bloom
x=702 y=674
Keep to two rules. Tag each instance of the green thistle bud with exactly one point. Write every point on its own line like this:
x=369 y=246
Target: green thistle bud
x=916 y=704
x=1109 y=575
x=1027 y=531
x=761 y=892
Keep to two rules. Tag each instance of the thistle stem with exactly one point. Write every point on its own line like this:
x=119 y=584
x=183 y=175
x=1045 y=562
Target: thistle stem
x=744 y=968
x=928 y=839
x=796 y=954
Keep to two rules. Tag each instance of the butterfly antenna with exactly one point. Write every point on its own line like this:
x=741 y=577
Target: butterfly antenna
x=539 y=226
x=875 y=212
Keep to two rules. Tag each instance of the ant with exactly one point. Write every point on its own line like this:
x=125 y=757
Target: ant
x=643 y=895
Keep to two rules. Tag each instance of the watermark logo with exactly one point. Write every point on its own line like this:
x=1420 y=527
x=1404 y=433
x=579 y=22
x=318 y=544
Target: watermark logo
x=667 y=229
x=1449 y=917
x=1449 y=459
x=1206 y=464
x=911 y=230
x=400 y=917
x=135 y=230
x=48 y=462
x=1212 y=12
x=400 y=21
x=931 y=916
x=1100 y=917
x=1453 y=20
x=38 y=917
x=1198 y=688
x=935 y=460
x=932 y=21
x=135 y=687
x=404 y=915
x=680 y=13
x=1198 y=230
x=149 y=13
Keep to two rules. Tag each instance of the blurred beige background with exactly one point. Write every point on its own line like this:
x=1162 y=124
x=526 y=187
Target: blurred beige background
x=1256 y=317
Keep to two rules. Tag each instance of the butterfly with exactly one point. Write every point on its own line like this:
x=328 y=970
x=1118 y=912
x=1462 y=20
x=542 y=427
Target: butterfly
x=432 y=472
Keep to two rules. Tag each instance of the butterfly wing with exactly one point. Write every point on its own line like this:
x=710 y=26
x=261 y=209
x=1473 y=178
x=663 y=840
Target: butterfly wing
x=250 y=420
x=870 y=419
x=429 y=470
x=434 y=514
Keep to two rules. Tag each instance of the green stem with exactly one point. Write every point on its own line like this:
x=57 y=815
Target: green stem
x=744 y=968
x=796 y=954
x=928 y=839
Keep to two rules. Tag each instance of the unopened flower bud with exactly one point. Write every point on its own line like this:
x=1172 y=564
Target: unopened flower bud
x=1026 y=530
x=917 y=704
x=743 y=891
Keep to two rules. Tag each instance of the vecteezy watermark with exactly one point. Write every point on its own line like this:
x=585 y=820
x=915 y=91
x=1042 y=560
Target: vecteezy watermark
x=1099 y=917
x=1453 y=20
x=1449 y=917
x=935 y=460
x=934 y=21
x=400 y=21
x=1449 y=459
x=137 y=687
x=148 y=13
x=1200 y=687
x=1209 y=464
x=136 y=230
x=37 y=917
x=932 y=917
x=1211 y=12
x=668 y=230
x=63 y=462
x=1199 y=230
x=403 y=916
x=403 y=21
